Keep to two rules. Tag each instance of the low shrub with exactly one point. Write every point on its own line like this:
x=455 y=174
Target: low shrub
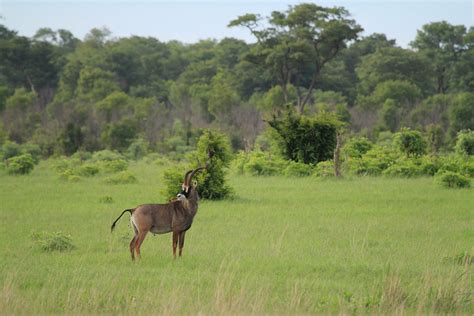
x=173 y=178
x=465 y=143
x=298 y=169
x=56 y=241
x=324 y=169
x=374 y=162
x=106 y=155
x=123 y=177
x=10 y=149
x=22 y=164
x=32 y=149
x=356 y=147
x=88 y=170
x=406 y=168
x=457 y=164
x=138 y=149
x=69 y=175
x=113 y=166
x=410 y=142
x=262 y=164
x=452 y=180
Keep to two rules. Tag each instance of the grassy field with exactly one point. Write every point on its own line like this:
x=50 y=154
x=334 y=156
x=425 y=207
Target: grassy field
x=299 y=245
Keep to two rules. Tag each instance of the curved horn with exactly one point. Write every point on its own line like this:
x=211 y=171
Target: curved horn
x=186 y=181
x=210 y=155
x=195 y=171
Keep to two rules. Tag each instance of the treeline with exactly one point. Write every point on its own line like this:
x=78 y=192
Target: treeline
x=65 y=94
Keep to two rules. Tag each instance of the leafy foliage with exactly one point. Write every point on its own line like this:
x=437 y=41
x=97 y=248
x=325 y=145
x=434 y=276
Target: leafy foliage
x=22 y=164
x=304 y=139
x=410 y=142
x=465 y=143
x=453 y=180
x=211 y=182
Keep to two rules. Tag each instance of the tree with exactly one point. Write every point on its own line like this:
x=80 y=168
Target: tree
x=443 y=44
x=71 y=139
x=304 y=139
x=410 y=142
x=462 y=112
x=394 y=63
x=298 y=43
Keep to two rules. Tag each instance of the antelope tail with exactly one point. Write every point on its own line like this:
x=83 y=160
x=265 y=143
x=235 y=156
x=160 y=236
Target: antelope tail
x=113 y=225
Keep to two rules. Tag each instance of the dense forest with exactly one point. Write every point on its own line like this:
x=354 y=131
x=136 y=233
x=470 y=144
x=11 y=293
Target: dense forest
x=65 y=94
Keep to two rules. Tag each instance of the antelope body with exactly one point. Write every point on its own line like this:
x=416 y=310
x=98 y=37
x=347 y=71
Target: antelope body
x=176 y=216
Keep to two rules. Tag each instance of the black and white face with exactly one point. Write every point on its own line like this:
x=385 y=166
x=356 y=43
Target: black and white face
x=184 y=193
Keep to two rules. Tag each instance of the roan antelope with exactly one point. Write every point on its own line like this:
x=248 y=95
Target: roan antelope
x=175 y=216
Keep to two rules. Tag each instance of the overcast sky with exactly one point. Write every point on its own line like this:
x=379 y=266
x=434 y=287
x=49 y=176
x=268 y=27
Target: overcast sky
x=192 y=20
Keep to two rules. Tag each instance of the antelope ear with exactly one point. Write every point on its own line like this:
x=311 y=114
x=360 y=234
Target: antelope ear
x=195 y=183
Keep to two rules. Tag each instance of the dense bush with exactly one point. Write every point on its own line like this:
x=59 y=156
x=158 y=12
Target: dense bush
x=298 y=169
x=324 y=169
x=112 y=166
x=373 y=162
x=211 y=182
x=10 y=149
x=32 y=149
x=406 y=168
x=306 y=139
x=457 y=164
x=172 y=180
x=356 y=147
x=452 y=180
x=106 y=155
x=465 y=143
x=56 y=241
x=410 y=142
x=138 y=149
x=259 y=163
x=22 y=164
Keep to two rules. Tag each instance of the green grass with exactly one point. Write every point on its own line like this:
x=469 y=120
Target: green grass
x=283 y=245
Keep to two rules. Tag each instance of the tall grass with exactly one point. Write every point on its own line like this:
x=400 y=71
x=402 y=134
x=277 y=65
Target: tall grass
x=283 y=245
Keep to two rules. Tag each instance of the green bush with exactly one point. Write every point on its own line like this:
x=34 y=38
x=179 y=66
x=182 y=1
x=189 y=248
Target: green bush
x=211 y=182
x=10 y=149
x=69 y=175
x=22 y=164
x=465 y=143
x=356 y=147
x=56 y=241
x=123 y=177
x=32 y=149
x=88 y=170
x=264 y=164
x=410 y=142
x=458 y=164
x=324 y=169
x=172 y=180
x=298 y=169
x=452 y=180
x=137 y=149
x=305 y=139
x=374 y=162
x=406 y=168
x=82 y=155
x=106 y=155
x=112 y=166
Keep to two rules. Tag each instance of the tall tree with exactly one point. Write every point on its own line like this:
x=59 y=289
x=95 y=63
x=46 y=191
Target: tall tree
x=443 y=44
x=298 y=43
